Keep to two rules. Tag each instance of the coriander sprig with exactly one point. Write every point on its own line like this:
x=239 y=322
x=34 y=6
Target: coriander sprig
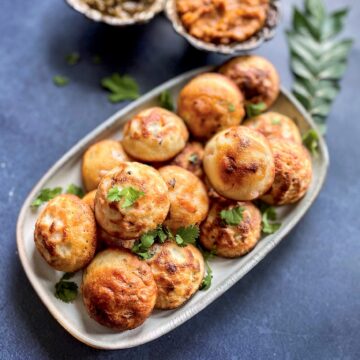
x=268 y=219
x=255 y=109
x=187 y=235
x=45 y=195
x=232 y=216
x=311 y=140
x=318 y=61
x=128 y=193
x=166 y=101
x=66 y=290
x=206 y=283
x=121 y=87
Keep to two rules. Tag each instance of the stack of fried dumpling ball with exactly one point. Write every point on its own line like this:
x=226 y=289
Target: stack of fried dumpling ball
x=188 y=167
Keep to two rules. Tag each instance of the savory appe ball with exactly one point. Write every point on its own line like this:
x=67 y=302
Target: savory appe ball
x=231 y=239
x=65 y=233
x=239 y=163
x=178 y=273
x=191 y=158
x=131 y=200
x=114 y=241
x=154 y=134
x=209 y=103
x=98 y=159
x=89 y=199
x=118 y=289
x=293 y=172
x=275 y=125
x=189 y=202
x=255 y=76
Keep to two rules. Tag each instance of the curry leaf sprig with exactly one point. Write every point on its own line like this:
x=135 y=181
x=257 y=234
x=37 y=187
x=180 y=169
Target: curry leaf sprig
x=66 y=290
x=318 y=59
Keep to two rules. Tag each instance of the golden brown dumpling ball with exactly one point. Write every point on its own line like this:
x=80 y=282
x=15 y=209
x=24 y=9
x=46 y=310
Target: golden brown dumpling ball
x=191 y=158
x=154 y=134
x=239 y=163
x=255 y=76
x=118 y=289
x=65 y=233
x=293 y=172
x=146 y=213
x=98 y=159
x=189 y=202
x=114 y=241
x=275 y=125
x=178 y=273
x=209 y=103
x=231 y=240
x=89 y=199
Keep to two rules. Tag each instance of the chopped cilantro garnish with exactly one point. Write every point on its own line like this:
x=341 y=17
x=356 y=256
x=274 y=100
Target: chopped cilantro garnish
x=129 y=194
x=45 y=195
x=166 y=100
x=187 y=235
x=311 y=141
x=66 y=290
x=75 y=190
x=232 y=216
x=60 y=80
x=255 y=109
x=121 y=87
x=72 y=58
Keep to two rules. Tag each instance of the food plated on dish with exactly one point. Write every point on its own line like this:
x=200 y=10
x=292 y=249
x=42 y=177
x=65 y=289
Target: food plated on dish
x=166 y=225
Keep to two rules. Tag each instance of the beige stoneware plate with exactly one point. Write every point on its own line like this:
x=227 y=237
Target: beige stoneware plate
x=73 y=317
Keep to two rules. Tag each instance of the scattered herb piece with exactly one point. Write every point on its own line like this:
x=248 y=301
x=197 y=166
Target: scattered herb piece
x=72 y=58
x=66 y=290
x=121 y=87
x=311 y=141
x=206 y=283
x=166 y=100
x=45 y=195
x=60 y=80
x=193 y=159
x=233 y=216
x=318 y=61
x=255 y=109
x=231 y=107
x=96 y=59
x=75 y=190
x=147 y=240
x=269 y=216
x=187 y=235
x=276 y=121
x=129 y=194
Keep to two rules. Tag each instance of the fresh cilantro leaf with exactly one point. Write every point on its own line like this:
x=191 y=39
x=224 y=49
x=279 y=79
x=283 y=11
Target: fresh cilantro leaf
x=268 y=217
x=193 y=159
x=255 y=109
x=60 y=80
x=232 y=216
x=75 y=190
x=276 y=121
x=68 y=275
x=311 y=141
x=72 y=58
x=45 y=195
x=96 y=59
x=121 y=87
x=231 y=107
x=66 y=290
x=206 y=283
x=187 y=235
x=129 y=194
x=166 y=100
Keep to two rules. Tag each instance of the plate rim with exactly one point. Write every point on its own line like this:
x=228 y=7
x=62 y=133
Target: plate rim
x=220 y=289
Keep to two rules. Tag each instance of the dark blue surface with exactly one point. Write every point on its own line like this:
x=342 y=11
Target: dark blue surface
x=301 y=302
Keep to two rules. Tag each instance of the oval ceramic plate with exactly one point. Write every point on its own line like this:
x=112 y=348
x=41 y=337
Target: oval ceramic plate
x=73 y=317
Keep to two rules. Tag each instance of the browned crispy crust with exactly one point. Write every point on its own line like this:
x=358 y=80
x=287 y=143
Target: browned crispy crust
x=239 y=163
x=114 y=241
x=209 y=103
x=189 y=202
x=89 y=199
x=255 y=76
x=149 y=211
x=65 y=233
x=191 y=158
x=100 y=158
x=178 y=272
x=118 y=289
x=293 y=173
x=231 y=240
x=274 y=125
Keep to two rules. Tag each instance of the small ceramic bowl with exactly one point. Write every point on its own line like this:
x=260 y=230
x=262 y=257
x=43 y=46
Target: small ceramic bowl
x=266 y=33
x=141 y=17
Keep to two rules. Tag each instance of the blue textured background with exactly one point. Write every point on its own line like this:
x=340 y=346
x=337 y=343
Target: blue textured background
x=302 y=301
